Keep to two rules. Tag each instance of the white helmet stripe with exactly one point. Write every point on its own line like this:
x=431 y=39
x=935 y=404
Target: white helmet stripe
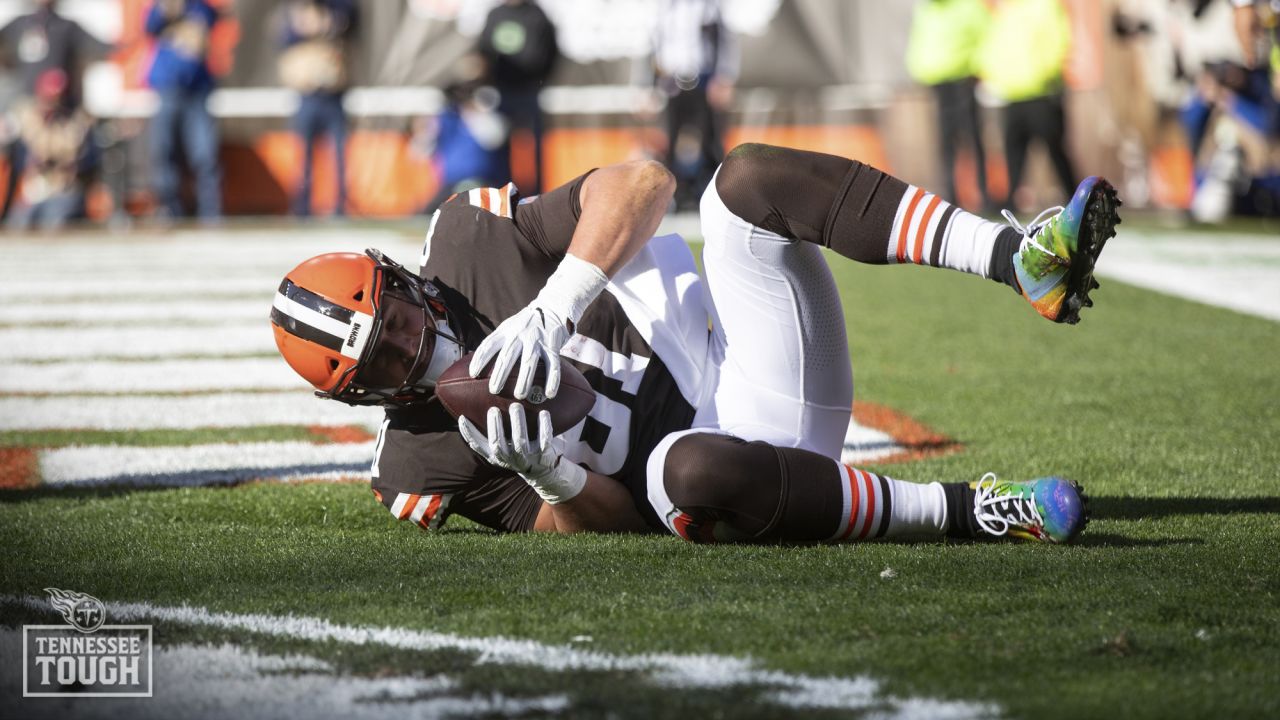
x=350 y=336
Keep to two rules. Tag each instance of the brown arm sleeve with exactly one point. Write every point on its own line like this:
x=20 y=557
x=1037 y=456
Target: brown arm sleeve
x=548 y=220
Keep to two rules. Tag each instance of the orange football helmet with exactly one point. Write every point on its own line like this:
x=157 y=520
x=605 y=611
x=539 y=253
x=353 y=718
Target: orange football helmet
x=327 y=319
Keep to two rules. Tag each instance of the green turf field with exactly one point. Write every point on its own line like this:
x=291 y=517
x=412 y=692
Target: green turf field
x=1167 y=411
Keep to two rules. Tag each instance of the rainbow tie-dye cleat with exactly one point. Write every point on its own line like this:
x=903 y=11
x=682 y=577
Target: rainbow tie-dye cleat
x=1054 y=263
x=1051 y=509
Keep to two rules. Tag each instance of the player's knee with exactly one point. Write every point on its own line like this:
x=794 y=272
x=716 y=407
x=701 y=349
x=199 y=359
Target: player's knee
x=703 y=471
x=740 y=181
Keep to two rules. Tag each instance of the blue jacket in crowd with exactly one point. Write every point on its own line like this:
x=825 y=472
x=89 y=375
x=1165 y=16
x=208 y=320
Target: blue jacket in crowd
x=177 y=67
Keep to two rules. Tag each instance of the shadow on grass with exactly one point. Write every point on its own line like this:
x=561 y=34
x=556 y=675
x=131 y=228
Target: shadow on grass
x=1092 y=539
x=1142 y=508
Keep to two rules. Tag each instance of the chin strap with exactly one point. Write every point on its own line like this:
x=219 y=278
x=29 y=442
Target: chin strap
x=447 y=351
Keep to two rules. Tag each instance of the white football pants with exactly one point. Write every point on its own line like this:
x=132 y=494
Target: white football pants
x=778 y=336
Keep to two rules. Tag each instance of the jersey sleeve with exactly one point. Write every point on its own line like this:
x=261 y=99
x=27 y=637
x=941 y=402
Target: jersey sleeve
x=548 y=220
x=423 y=472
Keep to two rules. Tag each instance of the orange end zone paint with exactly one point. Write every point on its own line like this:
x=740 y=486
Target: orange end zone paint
x=17 y=468
x=344 y=434
x=918 y=440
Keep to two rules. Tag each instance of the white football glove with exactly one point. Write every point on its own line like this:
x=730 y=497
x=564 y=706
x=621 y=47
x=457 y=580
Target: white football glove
x=543 y=467
x=540 y=330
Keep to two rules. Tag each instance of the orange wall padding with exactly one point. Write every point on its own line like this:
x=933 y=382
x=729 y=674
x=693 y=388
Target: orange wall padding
x=569 y=152
x=383 y=179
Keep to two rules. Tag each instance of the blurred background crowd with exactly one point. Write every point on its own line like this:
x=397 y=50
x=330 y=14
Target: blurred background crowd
x=160 y=111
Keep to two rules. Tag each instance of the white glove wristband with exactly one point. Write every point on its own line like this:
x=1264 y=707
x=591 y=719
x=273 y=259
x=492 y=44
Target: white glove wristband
x=561 y=484
x=571 y=288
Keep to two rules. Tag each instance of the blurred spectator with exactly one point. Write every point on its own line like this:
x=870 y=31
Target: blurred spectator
x=36 y=42
x=942 y=54
x=1022 y=61
x=519 y=44
x=59 y=155
x=180 y=75
x=467 y=141
x=1237 y=94
x=695 y=60
x=314 y=62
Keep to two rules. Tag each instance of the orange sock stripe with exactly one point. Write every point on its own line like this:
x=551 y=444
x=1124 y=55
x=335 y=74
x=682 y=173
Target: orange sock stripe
x=906 y=224
x=432 y=508
x=409 y=505
x=870 y=514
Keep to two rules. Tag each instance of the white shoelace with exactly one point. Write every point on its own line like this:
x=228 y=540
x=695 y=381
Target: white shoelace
x=994 y=523
x=1030 y=230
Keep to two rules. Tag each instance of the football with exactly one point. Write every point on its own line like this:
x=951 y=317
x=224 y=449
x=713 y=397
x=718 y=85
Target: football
x=469 y=397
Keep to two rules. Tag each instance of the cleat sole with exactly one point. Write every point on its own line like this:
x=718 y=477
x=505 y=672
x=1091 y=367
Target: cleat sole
x=1099 y=225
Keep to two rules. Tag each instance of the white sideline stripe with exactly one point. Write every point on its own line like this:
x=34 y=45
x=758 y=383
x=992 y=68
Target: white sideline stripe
x=663 y=669
x=103 y=312
x=1237 y=272
x=140 y=376
x=265 y=459
x=37 y=343
x=135 y=412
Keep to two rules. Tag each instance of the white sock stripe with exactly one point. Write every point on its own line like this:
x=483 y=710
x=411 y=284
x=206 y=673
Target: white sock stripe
x=842 y=473
x=969 y=243
x=931 y=232
x=420 y=509
x=397 y=507
x=437 y=518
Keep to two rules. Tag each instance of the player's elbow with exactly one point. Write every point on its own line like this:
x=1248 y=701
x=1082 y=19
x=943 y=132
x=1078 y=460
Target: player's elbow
x=653 y=178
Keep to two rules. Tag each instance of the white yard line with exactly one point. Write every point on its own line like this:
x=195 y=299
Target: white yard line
x=863 y=445
x=127 y=310
x=142 y=376
x=661 y=669
x=220 y=463
x=213 y=287
x=1231 y=271
x=229 y=681
x=37 y=343
x=133 y=412
x=270 y=253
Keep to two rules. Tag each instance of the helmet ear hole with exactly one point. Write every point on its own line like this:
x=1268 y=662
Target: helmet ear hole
x=333 y=365
x=359 y=296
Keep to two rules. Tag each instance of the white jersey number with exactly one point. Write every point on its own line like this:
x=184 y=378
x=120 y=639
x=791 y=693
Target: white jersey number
x=613 y=415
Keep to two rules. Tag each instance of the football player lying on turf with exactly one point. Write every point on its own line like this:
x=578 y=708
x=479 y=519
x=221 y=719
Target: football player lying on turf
x=732 y=433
